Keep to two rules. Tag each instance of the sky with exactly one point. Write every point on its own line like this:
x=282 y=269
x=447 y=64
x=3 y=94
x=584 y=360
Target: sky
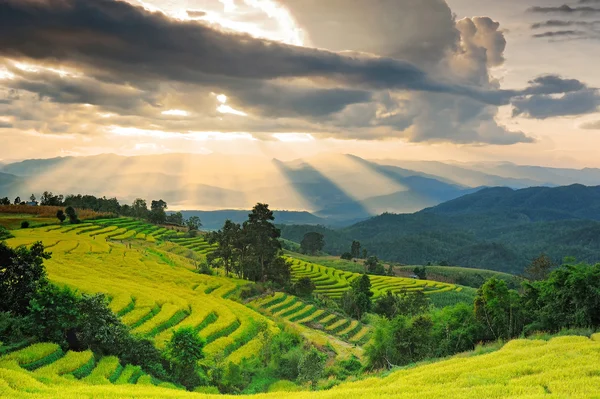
x=456 y=80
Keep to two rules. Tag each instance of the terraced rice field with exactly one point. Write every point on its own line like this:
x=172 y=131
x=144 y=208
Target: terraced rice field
x=153 y=291
x=565 y=367
x=333 y=282
x=46 y=362
x=293 y=310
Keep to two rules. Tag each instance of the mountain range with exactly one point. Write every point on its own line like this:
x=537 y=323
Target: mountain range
x=337 y=190
x=495 y=228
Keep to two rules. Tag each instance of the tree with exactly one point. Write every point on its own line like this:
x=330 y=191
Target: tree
x=540 y=268
x=50 y=199
x=22 y=274
x=185 y=350
x=225 y=240
x=311 y=366
x=355 y=249
x=24 y=224
x=406 y=304
x=139 y=209
x=372 y=266
x=357 y=301
x=312 y=243
x=175 y=218
x=303 y=287
x=32 y=198
x=60 y=215
x=72 y=215
x=568 y=298
x=17 y=200
x=364 y=253
x=346 y=256
x=157 y=213
x=499 y=310
x=263 y=237
x=420 y=272
x=193 y=223
x=4 y=201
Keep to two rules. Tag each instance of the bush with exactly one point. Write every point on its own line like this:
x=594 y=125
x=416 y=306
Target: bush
x=303 y=287
x=346 y=256
x=24 y=224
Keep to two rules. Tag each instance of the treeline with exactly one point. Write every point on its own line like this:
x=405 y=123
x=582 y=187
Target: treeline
x=251 y=250
x=410 y=330
x=156 y=213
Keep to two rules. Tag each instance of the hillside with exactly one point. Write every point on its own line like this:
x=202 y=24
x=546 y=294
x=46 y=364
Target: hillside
x=496 y=228
x=563 y=367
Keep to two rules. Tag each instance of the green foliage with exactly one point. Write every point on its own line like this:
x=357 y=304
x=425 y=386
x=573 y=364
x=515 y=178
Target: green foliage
x=568 y=298
x=24 y=224
x=355 y=249
x=60 y=215
x=312 y=243
x=303 y=287
x=539 y=268
x=4 y=234
x=157 y=213
x=499 y=310
x=193 y=223
x=420 y=272
x=373 y=266
x=405 y=303
x=311 y=366
x=22 y=274
x=185 y=350
x=72 y=215
x=357 y=301
x=346 y=256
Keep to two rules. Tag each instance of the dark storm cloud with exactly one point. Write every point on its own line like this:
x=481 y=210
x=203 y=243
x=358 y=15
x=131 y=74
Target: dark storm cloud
x=565 y=9
x=551 y=96
x=560 y=33
x=116 y=36
x=570 y=104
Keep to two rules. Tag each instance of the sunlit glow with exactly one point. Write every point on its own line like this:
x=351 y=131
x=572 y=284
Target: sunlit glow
x=6 y=74
x=228 y=5
x=292 y=33
x=294 y=137
x=38 y=68
x=222 y=98
x=192 y=136
x=175 y=112
x=226 y=109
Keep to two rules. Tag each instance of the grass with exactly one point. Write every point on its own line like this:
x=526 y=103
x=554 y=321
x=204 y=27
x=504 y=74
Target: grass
x=563 y=367
x=153 y=290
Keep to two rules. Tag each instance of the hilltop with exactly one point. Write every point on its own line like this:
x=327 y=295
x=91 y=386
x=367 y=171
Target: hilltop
x=495 y=228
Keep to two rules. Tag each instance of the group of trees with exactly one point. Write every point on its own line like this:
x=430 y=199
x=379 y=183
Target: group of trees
x=566 y=298
x=251 y=250
x=312 y=243
x=355 y=252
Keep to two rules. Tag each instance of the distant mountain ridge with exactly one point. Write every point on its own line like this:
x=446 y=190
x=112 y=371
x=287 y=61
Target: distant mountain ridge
x=495 y=228
x=339 y=189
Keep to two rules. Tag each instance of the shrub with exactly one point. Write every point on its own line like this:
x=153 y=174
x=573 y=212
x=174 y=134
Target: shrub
x=24 y=224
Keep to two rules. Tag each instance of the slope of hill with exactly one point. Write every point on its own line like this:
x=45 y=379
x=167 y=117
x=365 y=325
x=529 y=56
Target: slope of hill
x=496 y=228
x=562 y=367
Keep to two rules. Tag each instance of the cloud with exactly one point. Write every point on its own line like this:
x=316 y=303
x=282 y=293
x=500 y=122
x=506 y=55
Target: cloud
x=591 y=125
x=545 y=106
x=560 y=33
x=565 y=9
x=412 y=72
x=195 y=13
